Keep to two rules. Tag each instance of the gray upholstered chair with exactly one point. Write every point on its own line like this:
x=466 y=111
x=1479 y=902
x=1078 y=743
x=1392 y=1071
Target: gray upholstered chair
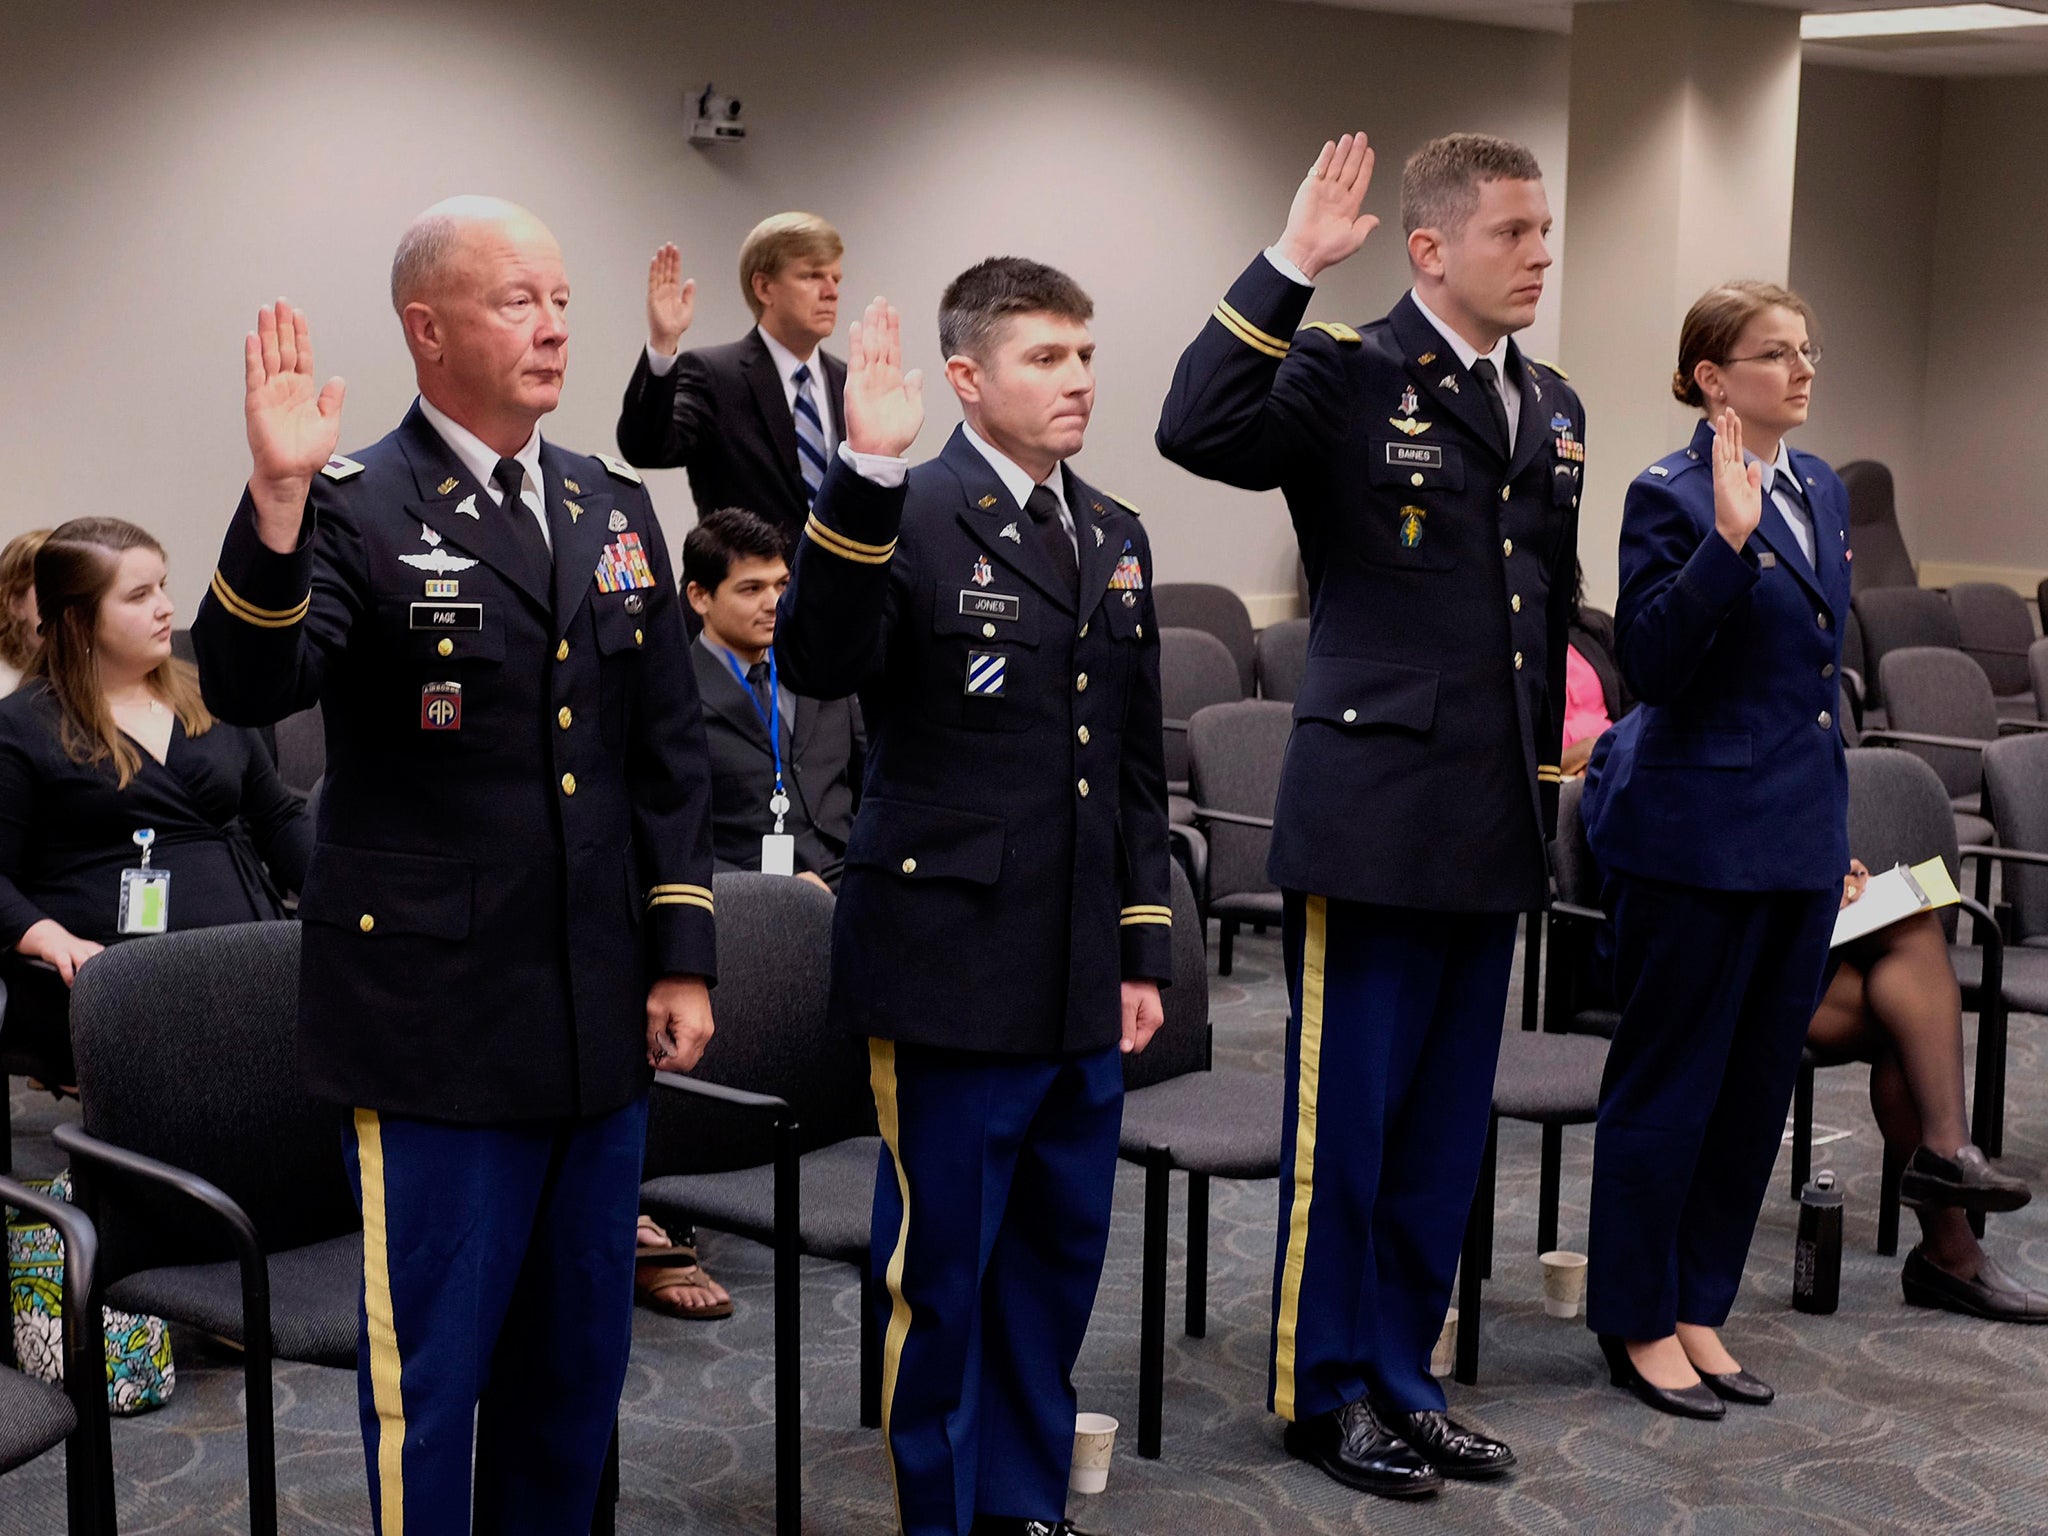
x=1855 y=666
x=1195 y=671
x=772 y=1137
x=2016 y=790
x=1216 y=610
x=302 y=749
x=1881 y=557
x=1996 y=630
x=1940 y=707
x=217 y=1184
x=1283 y=658
x=1893 y=618
x=1234 y=754
x=1182 y=1113
x=2037 y=672
x=35 y=1416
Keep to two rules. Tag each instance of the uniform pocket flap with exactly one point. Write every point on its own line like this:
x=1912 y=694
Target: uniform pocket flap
x=1006 y=610
x=927 y=842
x=377 y=892
x=621 y=621
x=1695 y=749
x=1354 y=692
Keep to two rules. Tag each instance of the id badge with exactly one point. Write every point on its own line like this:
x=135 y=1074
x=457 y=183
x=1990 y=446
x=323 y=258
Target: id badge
x=778 y=853
x=145 y=901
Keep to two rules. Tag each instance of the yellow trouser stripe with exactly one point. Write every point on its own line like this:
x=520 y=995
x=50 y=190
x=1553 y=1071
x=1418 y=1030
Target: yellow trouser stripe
x=1312 y=951
x=848 y=549
x=882 y=1078
x=383 y=1327
x=1249 y=334
x=249 y=613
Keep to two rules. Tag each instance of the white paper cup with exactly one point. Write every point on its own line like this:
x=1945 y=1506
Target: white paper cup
x=1445 y=1356
x=1564 y=1282
x=1094 y=1439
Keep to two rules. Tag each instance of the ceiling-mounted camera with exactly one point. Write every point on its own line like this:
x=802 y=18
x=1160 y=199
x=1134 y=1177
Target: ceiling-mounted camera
x=715 y=119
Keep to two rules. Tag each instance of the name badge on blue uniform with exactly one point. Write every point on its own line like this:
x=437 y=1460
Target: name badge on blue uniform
x=448 y=616
x=1420 y=455
x=985 y=673
x=991 y=605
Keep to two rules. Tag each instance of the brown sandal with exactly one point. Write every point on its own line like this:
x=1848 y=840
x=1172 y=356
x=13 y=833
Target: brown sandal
x=661 y=1287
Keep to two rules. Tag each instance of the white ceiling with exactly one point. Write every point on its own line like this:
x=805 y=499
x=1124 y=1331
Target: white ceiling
x=2021 y=52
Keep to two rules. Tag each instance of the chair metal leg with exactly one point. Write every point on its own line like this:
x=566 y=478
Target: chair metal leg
x=1152 y=1304
x=1198 y=1256
x=1802 y=1128
x=1547 y=1187
x=789 y=1450
x=1472 y=1264
x=1532 y=970
x=604 y=1519
x=262 y=1433
x=1987 y=1108
x=1227 y=929
x=1888 y=1205
x=871 y=1295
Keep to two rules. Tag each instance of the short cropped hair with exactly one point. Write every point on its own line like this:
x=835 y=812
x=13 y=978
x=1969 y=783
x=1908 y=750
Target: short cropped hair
x=1440 y=183
x=729 y=535
x=780 y=239
x=1716 y=322
x=981 y=299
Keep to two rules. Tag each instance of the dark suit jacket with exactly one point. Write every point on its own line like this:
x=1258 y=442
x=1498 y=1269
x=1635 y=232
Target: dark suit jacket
x=515 y=826
x=720 y=414
x=822 y=751
x=1008 y=869
x=1423 y=768
x=1731 y=775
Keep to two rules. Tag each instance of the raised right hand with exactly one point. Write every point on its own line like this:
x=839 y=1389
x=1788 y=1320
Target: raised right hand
x=54 y=944
x=293 y=426
x=884 y=405
x=1738 y=487
x=1324 y=225
x=671 y=301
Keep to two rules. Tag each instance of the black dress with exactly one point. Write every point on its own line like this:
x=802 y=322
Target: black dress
x=220 y=813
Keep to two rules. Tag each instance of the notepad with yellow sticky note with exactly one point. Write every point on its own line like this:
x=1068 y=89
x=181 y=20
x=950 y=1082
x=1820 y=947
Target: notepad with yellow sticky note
x=1895 y=895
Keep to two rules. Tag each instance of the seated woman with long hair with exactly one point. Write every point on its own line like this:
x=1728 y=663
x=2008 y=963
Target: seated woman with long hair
x=107 y=738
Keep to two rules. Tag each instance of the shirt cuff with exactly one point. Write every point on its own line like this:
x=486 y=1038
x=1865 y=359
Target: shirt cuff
x=875 y=468
x=1287 y=269
x=659 y=363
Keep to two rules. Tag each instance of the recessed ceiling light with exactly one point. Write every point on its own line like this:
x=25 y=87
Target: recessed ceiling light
x=1917 y=18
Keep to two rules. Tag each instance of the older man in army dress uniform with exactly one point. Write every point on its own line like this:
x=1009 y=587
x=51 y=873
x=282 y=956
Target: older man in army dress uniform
x=1433 y=476
x=508 y=916
x=1003 y=926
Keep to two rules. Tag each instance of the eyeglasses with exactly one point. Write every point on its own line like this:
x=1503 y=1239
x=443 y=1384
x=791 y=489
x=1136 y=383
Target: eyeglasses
x=1781 y=356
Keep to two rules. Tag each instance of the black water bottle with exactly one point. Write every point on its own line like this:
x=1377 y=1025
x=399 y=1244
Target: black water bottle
x=1817 y=1255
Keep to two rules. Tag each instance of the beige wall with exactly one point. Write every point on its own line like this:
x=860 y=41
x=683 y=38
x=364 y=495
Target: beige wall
x=171 y=167
x=1863 y=248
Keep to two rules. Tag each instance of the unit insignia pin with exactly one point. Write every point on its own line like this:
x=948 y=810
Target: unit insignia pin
x=983 y=572
x=467 y=507
x=446 y=486
x=1010 y=532
x=616 y=522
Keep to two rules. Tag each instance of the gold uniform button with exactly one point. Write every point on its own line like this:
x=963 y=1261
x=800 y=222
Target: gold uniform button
x=1416 y=478
x=1140 y=630
x=562 y=651
x=1515 y=602
x=1083 y=734
x=1084 y=789
x=1350 y=716
x=568 y=783
x=1518 y=661
x=446 y=647
x=563 y=718
x=1081 y=683
x=1084 y=631
x=1507 y=548
x=988 y=631
x=366 y=922
x=1503 y=493
x=638 y=637
x=910 y=866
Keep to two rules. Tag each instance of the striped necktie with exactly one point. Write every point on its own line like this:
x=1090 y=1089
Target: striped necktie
x=810 y=435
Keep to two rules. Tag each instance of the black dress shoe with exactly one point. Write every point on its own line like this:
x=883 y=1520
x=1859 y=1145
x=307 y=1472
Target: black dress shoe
x=1448 y=1445
x=1686 y=1402
x=1992 y=1294
x=1967 y=1181
x=1352 y=1446
x=1738 y=1387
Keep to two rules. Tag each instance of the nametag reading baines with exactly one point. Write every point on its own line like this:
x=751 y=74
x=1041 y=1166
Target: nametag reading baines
x=447 y=615
x=1417 y=455
x=991 y=605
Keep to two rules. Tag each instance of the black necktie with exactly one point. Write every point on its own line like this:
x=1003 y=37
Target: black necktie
x=510 y=477
x=1489 y=382
x=757 y=679
x=1044 y=508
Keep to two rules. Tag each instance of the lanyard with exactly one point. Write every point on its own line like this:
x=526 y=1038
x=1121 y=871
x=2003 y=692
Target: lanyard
x=779 y=802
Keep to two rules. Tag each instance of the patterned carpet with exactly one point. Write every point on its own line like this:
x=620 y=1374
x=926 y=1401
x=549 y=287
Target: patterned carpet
x=1889 y=1419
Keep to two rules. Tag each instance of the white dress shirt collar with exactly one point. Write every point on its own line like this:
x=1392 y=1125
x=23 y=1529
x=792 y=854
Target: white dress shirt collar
x=481 y=459
x=1467 y=353
x=786 y=365
x=1017 y=480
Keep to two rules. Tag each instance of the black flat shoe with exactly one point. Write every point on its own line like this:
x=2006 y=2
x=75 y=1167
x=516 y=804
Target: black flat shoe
x=1352 y=1446
x=1684 y=1402
x=1448 y=1445
x=1992 y=1294
x=1738 y=1387
x=1966 y=1181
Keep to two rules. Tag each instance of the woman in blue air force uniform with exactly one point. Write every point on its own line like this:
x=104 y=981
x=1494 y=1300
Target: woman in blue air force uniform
x=1719 y=812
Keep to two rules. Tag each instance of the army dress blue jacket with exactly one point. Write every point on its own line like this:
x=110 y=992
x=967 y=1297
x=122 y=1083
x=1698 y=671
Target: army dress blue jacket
x=1423 y=767
x=1007 y=869
x=514 y=830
